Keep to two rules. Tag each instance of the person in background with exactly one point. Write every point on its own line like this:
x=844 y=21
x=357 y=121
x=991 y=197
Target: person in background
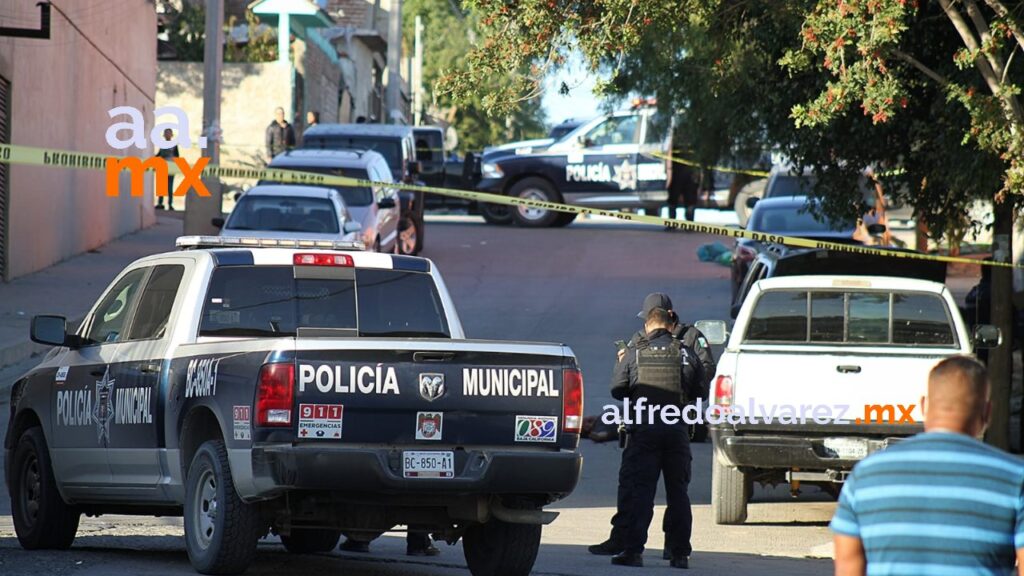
x=312 y=119
x=168 y=154
x=280 y=135
x=942 y=502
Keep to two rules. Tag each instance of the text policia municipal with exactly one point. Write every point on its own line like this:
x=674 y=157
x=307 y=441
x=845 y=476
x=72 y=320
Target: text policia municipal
x=641 y=412
x=380 y=379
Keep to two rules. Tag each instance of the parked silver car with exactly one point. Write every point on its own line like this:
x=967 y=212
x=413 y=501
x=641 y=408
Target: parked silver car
x=289 y=212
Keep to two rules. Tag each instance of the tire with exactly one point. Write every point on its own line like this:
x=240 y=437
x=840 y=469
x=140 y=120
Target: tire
x=42 y=520
x=565 y=218
x=310 y=541
x=730 y=491
x=224 y=542
x=496 y=214
x=535 y=189
x=501 y=549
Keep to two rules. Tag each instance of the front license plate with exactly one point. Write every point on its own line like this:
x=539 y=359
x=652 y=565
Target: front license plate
x=428 y=464
x=847 y=448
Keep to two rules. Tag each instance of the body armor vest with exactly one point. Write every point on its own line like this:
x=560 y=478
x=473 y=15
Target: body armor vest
x=659 y=367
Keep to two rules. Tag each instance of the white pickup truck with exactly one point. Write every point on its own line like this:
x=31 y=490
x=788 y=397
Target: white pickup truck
x=821 y=371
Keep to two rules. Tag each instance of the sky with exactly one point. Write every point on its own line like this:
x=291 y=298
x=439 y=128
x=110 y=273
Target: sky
x=580 y=103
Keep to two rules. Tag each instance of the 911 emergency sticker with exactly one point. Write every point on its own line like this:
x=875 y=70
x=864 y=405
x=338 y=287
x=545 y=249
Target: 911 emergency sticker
x=536 y=428
x=241 y=417
x=320 y=420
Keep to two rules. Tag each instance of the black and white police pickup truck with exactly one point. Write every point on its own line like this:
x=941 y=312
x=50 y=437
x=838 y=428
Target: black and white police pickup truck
x=308 y=391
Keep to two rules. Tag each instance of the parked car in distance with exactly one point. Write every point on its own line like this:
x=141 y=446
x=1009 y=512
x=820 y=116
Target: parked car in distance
x=376 y=209
x=435 y=167
x=846 y=358
x=785 y=216
x=289 y=212
x=397 y=145
x=780 y=260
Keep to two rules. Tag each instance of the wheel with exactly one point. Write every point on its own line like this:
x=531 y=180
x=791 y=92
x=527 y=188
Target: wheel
x=408 y=232
x=310 y=541
x=501 y=549
x=42 y=520
x=497 y=214
x=565 y=218
x=220 y=530
x=535 y=189
x=730 y=491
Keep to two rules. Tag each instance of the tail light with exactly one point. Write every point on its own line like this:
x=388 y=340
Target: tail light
x=572 y=401
x=723 y=391
x=322 y=260
x=275 y=395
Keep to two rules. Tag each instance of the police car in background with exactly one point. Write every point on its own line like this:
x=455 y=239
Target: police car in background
x=300 y=388
x=608 y=162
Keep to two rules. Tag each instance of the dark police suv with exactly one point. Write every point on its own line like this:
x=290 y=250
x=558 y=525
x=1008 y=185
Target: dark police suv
x=299 y=389
x=608 y=163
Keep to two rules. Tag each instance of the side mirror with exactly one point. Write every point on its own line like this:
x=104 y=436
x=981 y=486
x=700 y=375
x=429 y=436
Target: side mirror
x=217 y=222
x=987 y=336
x=352 y=226
x=714 y=330
x=52 y=330
x=876 y=229
x=752 y=201
x=386 y=202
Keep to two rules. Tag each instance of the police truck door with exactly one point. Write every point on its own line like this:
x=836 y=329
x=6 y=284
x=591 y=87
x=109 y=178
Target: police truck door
x=605 y=165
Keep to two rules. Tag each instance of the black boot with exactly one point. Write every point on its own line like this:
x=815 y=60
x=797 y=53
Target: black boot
x=631 y=559
x=680 y=562
x=606 y=548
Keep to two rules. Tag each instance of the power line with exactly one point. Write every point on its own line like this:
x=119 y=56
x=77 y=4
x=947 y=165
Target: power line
x=101 y=53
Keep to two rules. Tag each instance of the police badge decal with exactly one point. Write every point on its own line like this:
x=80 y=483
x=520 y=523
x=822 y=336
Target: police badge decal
x=103 y=410
x=431 y=386
x=428 y=425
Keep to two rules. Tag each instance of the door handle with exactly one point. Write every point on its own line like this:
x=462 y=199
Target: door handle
x=151 y=368
x=432 y=356
x=848 y=369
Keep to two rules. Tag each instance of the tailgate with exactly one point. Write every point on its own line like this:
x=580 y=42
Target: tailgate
x=431 y=393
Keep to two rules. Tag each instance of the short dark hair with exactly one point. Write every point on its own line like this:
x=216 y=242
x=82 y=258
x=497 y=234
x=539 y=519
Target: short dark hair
x=316 y=115
x=966 y=377
x=659 y=316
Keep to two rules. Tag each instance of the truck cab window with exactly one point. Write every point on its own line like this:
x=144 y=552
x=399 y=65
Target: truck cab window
x=154 y=309
x=108 y=321
x=779 y=316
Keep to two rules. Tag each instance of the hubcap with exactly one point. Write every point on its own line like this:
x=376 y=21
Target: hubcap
x=31 y=490
x=206 y=509
x=528 y=212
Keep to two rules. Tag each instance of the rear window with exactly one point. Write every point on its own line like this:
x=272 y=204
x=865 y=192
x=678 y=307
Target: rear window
x=851 y=317
x=391 y=150
x=284 y=214
x=785 y=219
x=429 y=146
x=352 y=195
x=270 y=301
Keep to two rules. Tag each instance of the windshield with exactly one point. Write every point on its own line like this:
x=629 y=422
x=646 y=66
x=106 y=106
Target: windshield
x=352 y=195
x=391 y=150
x=789 y=185
x=284 y=214
x=270 y=301
x=786 y=219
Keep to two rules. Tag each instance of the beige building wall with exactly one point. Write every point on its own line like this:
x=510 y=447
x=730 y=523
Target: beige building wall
x=249 y=94
x=61 y=90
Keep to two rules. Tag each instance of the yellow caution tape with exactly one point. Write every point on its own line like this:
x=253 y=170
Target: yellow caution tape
x=685 y=162
x=64 y=159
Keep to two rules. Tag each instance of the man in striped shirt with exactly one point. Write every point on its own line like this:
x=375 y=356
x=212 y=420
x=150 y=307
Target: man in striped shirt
x=940 y=503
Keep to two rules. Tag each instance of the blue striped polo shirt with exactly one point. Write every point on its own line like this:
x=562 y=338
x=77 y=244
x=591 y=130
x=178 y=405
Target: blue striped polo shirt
x=937 y=504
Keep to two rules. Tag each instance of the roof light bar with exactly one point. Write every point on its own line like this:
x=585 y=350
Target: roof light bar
x=196 y=242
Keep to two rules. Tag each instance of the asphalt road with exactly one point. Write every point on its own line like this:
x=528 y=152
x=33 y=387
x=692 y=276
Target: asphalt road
x=583 y=286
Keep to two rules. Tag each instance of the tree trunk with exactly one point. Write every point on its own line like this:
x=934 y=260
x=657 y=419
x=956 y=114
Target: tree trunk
x=1000 y=360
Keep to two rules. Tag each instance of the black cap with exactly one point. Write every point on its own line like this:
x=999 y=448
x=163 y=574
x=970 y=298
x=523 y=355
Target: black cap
x=655 y=300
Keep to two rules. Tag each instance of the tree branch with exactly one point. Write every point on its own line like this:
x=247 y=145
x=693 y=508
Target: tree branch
x=1003 y=12
x=981 y=25
x=921 y=67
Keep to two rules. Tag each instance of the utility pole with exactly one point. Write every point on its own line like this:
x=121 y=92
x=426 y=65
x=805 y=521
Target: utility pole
x=393 y=96
x=417 y=73
x=199 y=211
x=1000 y=359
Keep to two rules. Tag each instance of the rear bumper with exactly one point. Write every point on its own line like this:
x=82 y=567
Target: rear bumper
x=280 y=468
x=803 y=447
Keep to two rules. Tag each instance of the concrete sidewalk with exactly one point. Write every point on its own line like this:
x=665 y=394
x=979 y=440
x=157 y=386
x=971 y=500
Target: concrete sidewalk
x=71 y=287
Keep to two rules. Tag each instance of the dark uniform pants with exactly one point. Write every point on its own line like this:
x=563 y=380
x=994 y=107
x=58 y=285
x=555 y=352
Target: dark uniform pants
x=652 y=451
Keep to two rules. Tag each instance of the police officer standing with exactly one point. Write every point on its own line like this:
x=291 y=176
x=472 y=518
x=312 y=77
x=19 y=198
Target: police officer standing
x=659 y=371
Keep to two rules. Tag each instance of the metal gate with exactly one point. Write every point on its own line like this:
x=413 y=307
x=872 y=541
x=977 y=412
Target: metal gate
x=5 y=175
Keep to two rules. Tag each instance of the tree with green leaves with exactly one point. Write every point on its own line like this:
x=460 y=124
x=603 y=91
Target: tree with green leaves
x=923 y=92
x=447 y=41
